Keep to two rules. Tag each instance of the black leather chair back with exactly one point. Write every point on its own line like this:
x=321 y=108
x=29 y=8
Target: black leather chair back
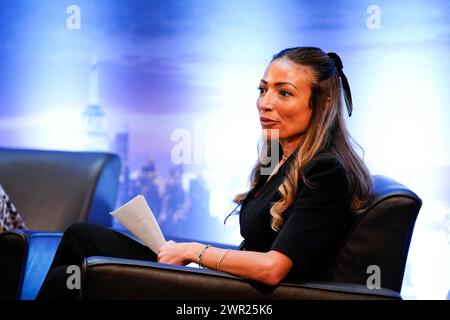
x=53 y=189
x=380 y=236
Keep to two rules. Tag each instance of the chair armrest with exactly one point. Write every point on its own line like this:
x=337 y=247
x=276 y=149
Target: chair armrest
x=13 y=248
x=26 y=256
x=113 y=278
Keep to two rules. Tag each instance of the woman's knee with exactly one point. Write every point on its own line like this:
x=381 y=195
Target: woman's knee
x=84 y=231
x=78 y=230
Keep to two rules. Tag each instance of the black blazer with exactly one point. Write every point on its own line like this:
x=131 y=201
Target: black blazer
x=314 y=225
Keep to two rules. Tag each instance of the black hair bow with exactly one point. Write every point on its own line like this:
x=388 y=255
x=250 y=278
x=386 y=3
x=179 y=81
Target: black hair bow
x=347 y=93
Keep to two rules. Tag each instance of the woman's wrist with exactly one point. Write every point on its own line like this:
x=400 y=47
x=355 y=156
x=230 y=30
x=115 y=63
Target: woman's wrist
x=195 y=250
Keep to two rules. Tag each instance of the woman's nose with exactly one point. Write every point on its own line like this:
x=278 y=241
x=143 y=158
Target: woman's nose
x=264 y=102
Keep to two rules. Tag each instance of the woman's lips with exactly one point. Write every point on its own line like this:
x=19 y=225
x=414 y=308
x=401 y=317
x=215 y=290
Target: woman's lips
x=266 y=122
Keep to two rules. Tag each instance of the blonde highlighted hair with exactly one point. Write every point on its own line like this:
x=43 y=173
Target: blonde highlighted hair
x=326 y=132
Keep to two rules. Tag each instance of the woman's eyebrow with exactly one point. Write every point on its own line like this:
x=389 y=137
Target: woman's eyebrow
x=277 y=84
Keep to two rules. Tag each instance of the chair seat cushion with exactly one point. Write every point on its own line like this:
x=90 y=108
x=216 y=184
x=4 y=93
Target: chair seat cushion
x=42 y=248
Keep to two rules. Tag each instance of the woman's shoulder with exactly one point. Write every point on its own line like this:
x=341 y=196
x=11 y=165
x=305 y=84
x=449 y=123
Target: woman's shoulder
x=325 y=165
x=324 y=160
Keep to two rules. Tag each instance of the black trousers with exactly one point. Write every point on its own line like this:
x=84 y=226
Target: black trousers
x=83 y=240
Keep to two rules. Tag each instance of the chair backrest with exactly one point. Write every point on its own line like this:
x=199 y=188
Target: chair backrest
x=53 y=189
x=380 y=236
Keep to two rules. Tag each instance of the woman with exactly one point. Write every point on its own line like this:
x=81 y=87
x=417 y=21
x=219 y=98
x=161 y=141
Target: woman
x=294 y=216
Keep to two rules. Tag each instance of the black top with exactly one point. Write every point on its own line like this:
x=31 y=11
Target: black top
x=314 y=225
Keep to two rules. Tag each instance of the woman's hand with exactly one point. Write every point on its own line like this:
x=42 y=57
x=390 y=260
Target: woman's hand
x=181 y=253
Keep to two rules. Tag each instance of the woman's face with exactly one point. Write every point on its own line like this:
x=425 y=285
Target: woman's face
x=283 y=102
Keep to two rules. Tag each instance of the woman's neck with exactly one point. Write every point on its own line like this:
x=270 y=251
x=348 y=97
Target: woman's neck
x=290 y=145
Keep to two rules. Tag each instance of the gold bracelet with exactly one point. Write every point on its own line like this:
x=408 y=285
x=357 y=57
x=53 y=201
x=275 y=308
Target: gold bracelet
x=200 y=256
x=221 y=258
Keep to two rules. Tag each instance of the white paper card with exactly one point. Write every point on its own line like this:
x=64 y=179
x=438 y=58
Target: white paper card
x=137 y=217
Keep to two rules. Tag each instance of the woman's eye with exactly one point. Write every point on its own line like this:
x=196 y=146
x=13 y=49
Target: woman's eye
x=285 y=93
x=261 y=90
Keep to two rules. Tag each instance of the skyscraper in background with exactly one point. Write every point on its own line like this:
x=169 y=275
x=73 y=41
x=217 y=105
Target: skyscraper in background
x=121 y=149
x=94 y=119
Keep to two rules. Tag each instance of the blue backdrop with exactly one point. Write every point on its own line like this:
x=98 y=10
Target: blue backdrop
x=171 y=87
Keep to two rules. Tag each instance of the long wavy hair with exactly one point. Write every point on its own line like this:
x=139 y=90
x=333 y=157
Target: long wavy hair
x=326 y=132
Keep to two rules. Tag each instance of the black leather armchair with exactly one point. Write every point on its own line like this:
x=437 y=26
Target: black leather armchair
x=51 y=190
x=380 y=236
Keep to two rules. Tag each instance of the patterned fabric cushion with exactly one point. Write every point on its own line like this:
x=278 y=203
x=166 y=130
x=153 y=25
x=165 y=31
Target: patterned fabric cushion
x=9 y=217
